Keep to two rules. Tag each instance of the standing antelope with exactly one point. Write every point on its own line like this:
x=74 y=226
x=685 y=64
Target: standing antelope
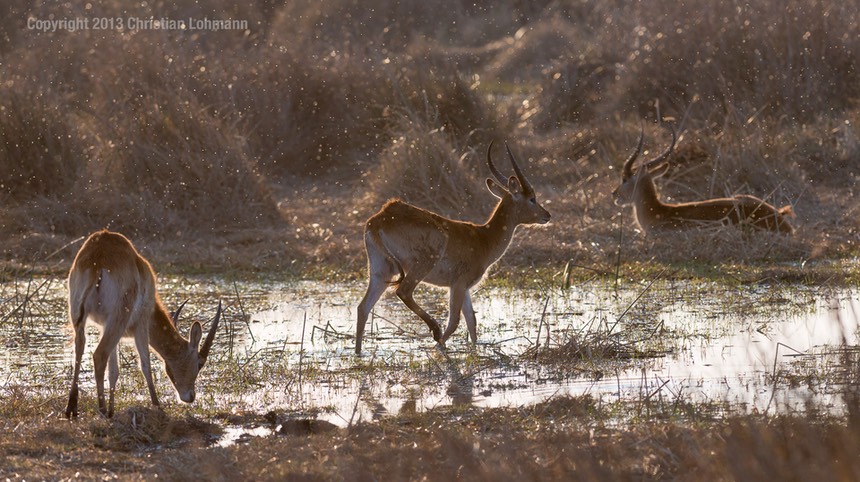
x=638 y=188
x=111 y=284
x=417 y=245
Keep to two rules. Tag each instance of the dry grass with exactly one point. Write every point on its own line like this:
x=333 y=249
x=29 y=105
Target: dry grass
x=561 y=438
x=208 y=134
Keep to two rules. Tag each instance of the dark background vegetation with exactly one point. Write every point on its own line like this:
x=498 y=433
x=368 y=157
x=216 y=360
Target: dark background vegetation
x=268 y=148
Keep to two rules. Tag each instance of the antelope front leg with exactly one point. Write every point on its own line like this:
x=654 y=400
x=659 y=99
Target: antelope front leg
x=375 y=288
x=456 y=298
x=471 y=320
x=141 y=343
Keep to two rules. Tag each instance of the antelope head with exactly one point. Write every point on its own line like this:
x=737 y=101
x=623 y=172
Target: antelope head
x=524 y=202
x=183 y=367
x=632 y=181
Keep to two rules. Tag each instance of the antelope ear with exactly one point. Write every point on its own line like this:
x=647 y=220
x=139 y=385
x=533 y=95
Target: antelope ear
x=514 y=186
x=195 y=334
x=495 y=189
x=659 y=170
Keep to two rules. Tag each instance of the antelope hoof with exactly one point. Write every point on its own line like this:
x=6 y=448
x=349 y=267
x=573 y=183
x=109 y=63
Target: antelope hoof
x=437 y=334
x=72 y=406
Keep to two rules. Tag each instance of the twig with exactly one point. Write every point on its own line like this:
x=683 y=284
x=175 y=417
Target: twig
x=302 y=350
x=775 y=377
x=22 y=306
x=360 y=392
x=242 y=310
x=637 y=298
x=618 y=253
x=540 y=325
x=74 y=241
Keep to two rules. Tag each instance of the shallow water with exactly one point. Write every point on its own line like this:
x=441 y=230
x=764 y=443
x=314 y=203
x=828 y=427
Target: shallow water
x=762 y=349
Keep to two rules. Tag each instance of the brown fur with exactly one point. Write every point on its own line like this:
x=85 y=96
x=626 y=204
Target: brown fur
x=416 y=245
x=637 y=188
x=111 y=284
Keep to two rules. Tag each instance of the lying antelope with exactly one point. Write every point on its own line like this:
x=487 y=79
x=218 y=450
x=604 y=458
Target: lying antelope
x=417 y=245
x=112 y=285
x=637 y=188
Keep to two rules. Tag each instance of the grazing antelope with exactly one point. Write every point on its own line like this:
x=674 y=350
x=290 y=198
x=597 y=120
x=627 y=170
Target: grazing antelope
x=417 y=245
x=111 y=284
x=637 y=188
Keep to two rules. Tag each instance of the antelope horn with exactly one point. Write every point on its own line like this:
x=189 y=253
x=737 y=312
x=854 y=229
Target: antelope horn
x=628 y=165
x=502 y=180
x=174 y=316
x=665 y=154
x=527 y=187
x=210 y=337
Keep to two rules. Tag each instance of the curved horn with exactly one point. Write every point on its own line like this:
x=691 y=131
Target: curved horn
x=665 y=154
x=174 y=315
x=527 y=187
x=628 y=164
x=502 y=180
x=210 y=337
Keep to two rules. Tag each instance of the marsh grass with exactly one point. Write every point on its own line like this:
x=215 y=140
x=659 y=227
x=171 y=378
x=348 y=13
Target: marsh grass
x=652 y=436
x=600 y=345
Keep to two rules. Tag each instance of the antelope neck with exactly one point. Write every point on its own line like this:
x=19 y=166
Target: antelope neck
x=499 y=229
x=163 y=336
x=646 y=198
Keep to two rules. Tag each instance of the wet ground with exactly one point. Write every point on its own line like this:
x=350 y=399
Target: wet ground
x=288 y=347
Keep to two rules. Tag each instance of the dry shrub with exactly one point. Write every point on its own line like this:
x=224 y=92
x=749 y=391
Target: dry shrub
x=378 y=27
x=175 y=166
x=828 y=151
x=572 y=92
x=138 y=428
x=437 y=130
x=303 y=115
x=716 y=244
x=710 y=163
x=534 y=47
x=426 y=166
x=754 y=57
x=151 y=153
x=438 y=93
x=738 y=59
x=41 y=152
